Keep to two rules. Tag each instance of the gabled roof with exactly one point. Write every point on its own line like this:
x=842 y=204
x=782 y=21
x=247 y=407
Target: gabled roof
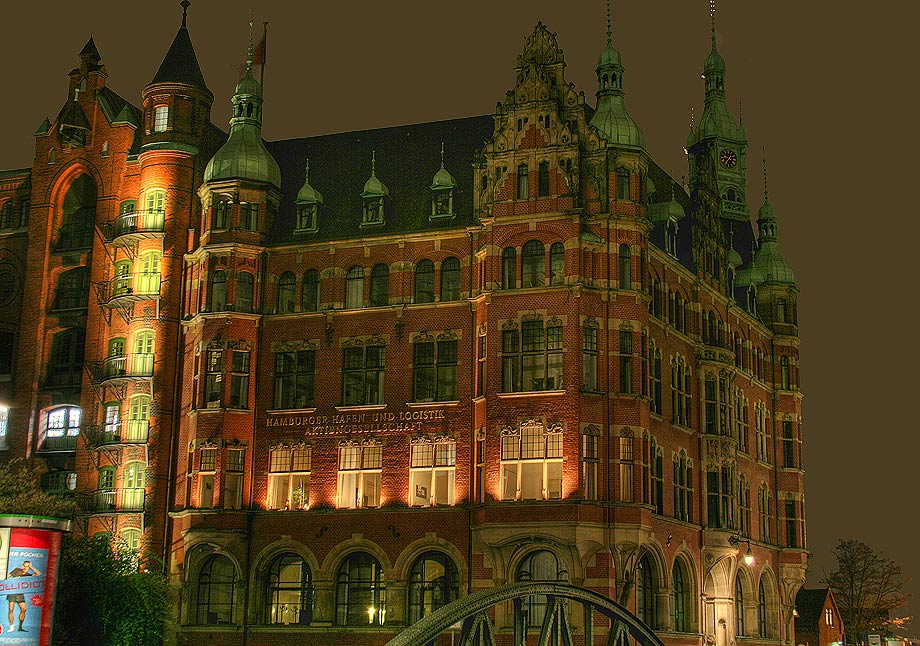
x=180 y=65
x=90 y=51
x=406 y=159
x=809 y=602
x=72 y=115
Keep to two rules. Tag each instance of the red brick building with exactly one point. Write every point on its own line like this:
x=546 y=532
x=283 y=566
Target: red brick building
x=818 y=621
x=339 y=381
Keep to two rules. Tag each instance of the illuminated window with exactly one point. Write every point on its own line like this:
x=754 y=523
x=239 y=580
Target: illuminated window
x=214 y=378
x=536 y=363
x=360 y=591
x=359 y=476
x=432 y=468
x=531 y=462
x=62 y=427
x=362 y=375
x=216 y=591
x=289 y=478
x=207 y=468
x=590 y=461
x=435 y=370
x=354 y=287
x=433 y=582
x=290 y=591
x=828 y=617
x=160 y=118
x=138 y=419
x=294 y=372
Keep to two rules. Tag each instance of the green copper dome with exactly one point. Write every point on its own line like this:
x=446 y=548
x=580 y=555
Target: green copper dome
x=715 y=62
x=373 y=187
x=609 y=56
x=443 y=179
x=664 y=211
x=748 y=276
x=768 y=260
x=244 y=156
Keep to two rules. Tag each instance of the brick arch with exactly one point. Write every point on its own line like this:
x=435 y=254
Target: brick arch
x=433 y=544
x=259 y=570
x=58 y=187
x=335 y=557
x=567 y=555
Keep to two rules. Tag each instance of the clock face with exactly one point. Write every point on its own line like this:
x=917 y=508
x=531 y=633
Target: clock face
x=728 y=158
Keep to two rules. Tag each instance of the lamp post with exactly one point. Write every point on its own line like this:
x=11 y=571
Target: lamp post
x=735 y=540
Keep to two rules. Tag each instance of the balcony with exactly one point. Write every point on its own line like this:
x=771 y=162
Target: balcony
x=129 y=228
x=113 y=500
x=129 y=288
x=122 y=368
x=126 y=432
x=58 y=443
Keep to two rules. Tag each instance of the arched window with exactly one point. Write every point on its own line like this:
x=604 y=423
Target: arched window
x=556 y=263
x=147 y=268
x=533 y=264
x=762 y=627
x=218 y=291
x=542 y=565
x=543 y=179
x=522 y=182
x=360 y=591
x=245 y=285
x=509 y=268
x=625 y=267
x=309 y=301
x=739 y=606
x=450 y=279
x=433 y=582
x=680 y=599
x=354 y=287
x=286 y=293
x=290 y=591
x=216 y=596
x=645 y=592
x=142 y=361
x=221 y=219
x=380 y=285
x=424 y=281
x=79 y=215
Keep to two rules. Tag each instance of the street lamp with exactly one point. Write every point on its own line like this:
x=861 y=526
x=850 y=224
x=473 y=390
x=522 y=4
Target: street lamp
x=735 y=540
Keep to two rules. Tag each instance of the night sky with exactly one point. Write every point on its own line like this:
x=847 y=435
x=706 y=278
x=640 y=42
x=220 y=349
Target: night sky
x=825 y=92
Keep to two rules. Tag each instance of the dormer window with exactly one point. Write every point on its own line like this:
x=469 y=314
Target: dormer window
x=306 y=217
x=160 y=118
x=373 y=196
x=670 y=237
x=442 y=191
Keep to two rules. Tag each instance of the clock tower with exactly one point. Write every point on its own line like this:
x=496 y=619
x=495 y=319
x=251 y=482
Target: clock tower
x=720 y=137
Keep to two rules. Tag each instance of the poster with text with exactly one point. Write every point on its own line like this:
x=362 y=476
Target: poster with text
x=25 y=598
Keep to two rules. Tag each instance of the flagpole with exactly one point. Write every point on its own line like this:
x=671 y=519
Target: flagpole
x=264 y=54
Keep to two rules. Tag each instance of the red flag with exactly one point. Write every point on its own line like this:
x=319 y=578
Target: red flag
x=258 y=55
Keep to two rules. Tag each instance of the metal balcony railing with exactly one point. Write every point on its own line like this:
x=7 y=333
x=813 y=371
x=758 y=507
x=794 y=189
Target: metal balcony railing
x=58 y=443
x=136 y=225
x=123 y=367
x=115 y=499
x=125 y=432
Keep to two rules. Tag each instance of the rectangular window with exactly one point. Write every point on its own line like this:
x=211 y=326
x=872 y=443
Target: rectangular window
x=431 y=473
x=363 y=372
x=590 y=459
x=789 y=460
x=359 y=476
x=249 y=216
x=766 y=520
x=239 y=380
x=206 y=470
x=589 y=358
x=656 y=464
x=294 y=372
x=481 y=367
x=627 y=468
x=160 y=118
x=683 y=489
x=289 y=478
x=213 y=378
x=535 y=364
x=760 y=429
x=622 y=186
x=626 y=361
x=742 y=428
x=233 y=479
x=828 y=617
x=435 y=371
x=4 y=423
x=680 y=394
x=531 y=464
x=792 y=534
x=480 y=468
x=709 y=392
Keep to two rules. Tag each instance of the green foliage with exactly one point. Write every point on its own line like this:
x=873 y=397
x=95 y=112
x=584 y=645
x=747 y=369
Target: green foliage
x=20 y=493
x=105 y=599
x=868 y=588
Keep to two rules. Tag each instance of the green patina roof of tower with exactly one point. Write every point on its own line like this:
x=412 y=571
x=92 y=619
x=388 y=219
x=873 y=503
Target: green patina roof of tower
x=771 y=264
x=244 y=156
x=180 y=65
x=307 y=194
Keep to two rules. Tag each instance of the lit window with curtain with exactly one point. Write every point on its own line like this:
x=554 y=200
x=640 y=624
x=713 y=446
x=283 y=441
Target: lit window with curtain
x=360 y=591
x=531 y=462
x=216 y=591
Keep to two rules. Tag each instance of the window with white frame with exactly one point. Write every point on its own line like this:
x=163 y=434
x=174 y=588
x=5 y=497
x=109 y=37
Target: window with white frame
x=531 y=462
x=207 y=469
x=532 y=357
x=359 y=475
x=160 y=118
x=289 y=477
x=432 y=469
x=62 y=426
x=590 y=461
x=765 y=514
x=589 y=356
x=4 y=423
x=828 y=617
x=233 y=478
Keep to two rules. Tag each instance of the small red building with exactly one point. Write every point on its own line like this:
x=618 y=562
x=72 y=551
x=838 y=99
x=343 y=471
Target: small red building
x=818 y=621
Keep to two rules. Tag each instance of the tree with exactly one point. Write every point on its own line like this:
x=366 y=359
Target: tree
x=20 y=493
x=868 y=588
x=105 y=597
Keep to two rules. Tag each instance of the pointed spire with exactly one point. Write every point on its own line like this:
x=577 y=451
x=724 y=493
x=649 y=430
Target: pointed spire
x=249 y=57
x=373 y=187
x=609 y=29
x=89 y=51
x=180 y=65
x=766 y=216
x=443 y=179
x=308 y=194
x=712 y=21
x=768 y=260
x=373 y=163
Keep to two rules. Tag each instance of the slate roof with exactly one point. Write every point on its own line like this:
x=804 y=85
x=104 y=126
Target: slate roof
x=407 y=158
x=809 y=602
x=180 y=65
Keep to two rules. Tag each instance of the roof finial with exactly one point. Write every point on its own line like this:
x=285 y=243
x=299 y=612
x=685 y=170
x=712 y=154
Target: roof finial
x=306 y=178
x=442 y=154
x=691 y=118
x=765 y=194
x=740 y=114
x=185 y=4
x=712 y=21
x=249 y=58
x=609 y=30
x=373 y=163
